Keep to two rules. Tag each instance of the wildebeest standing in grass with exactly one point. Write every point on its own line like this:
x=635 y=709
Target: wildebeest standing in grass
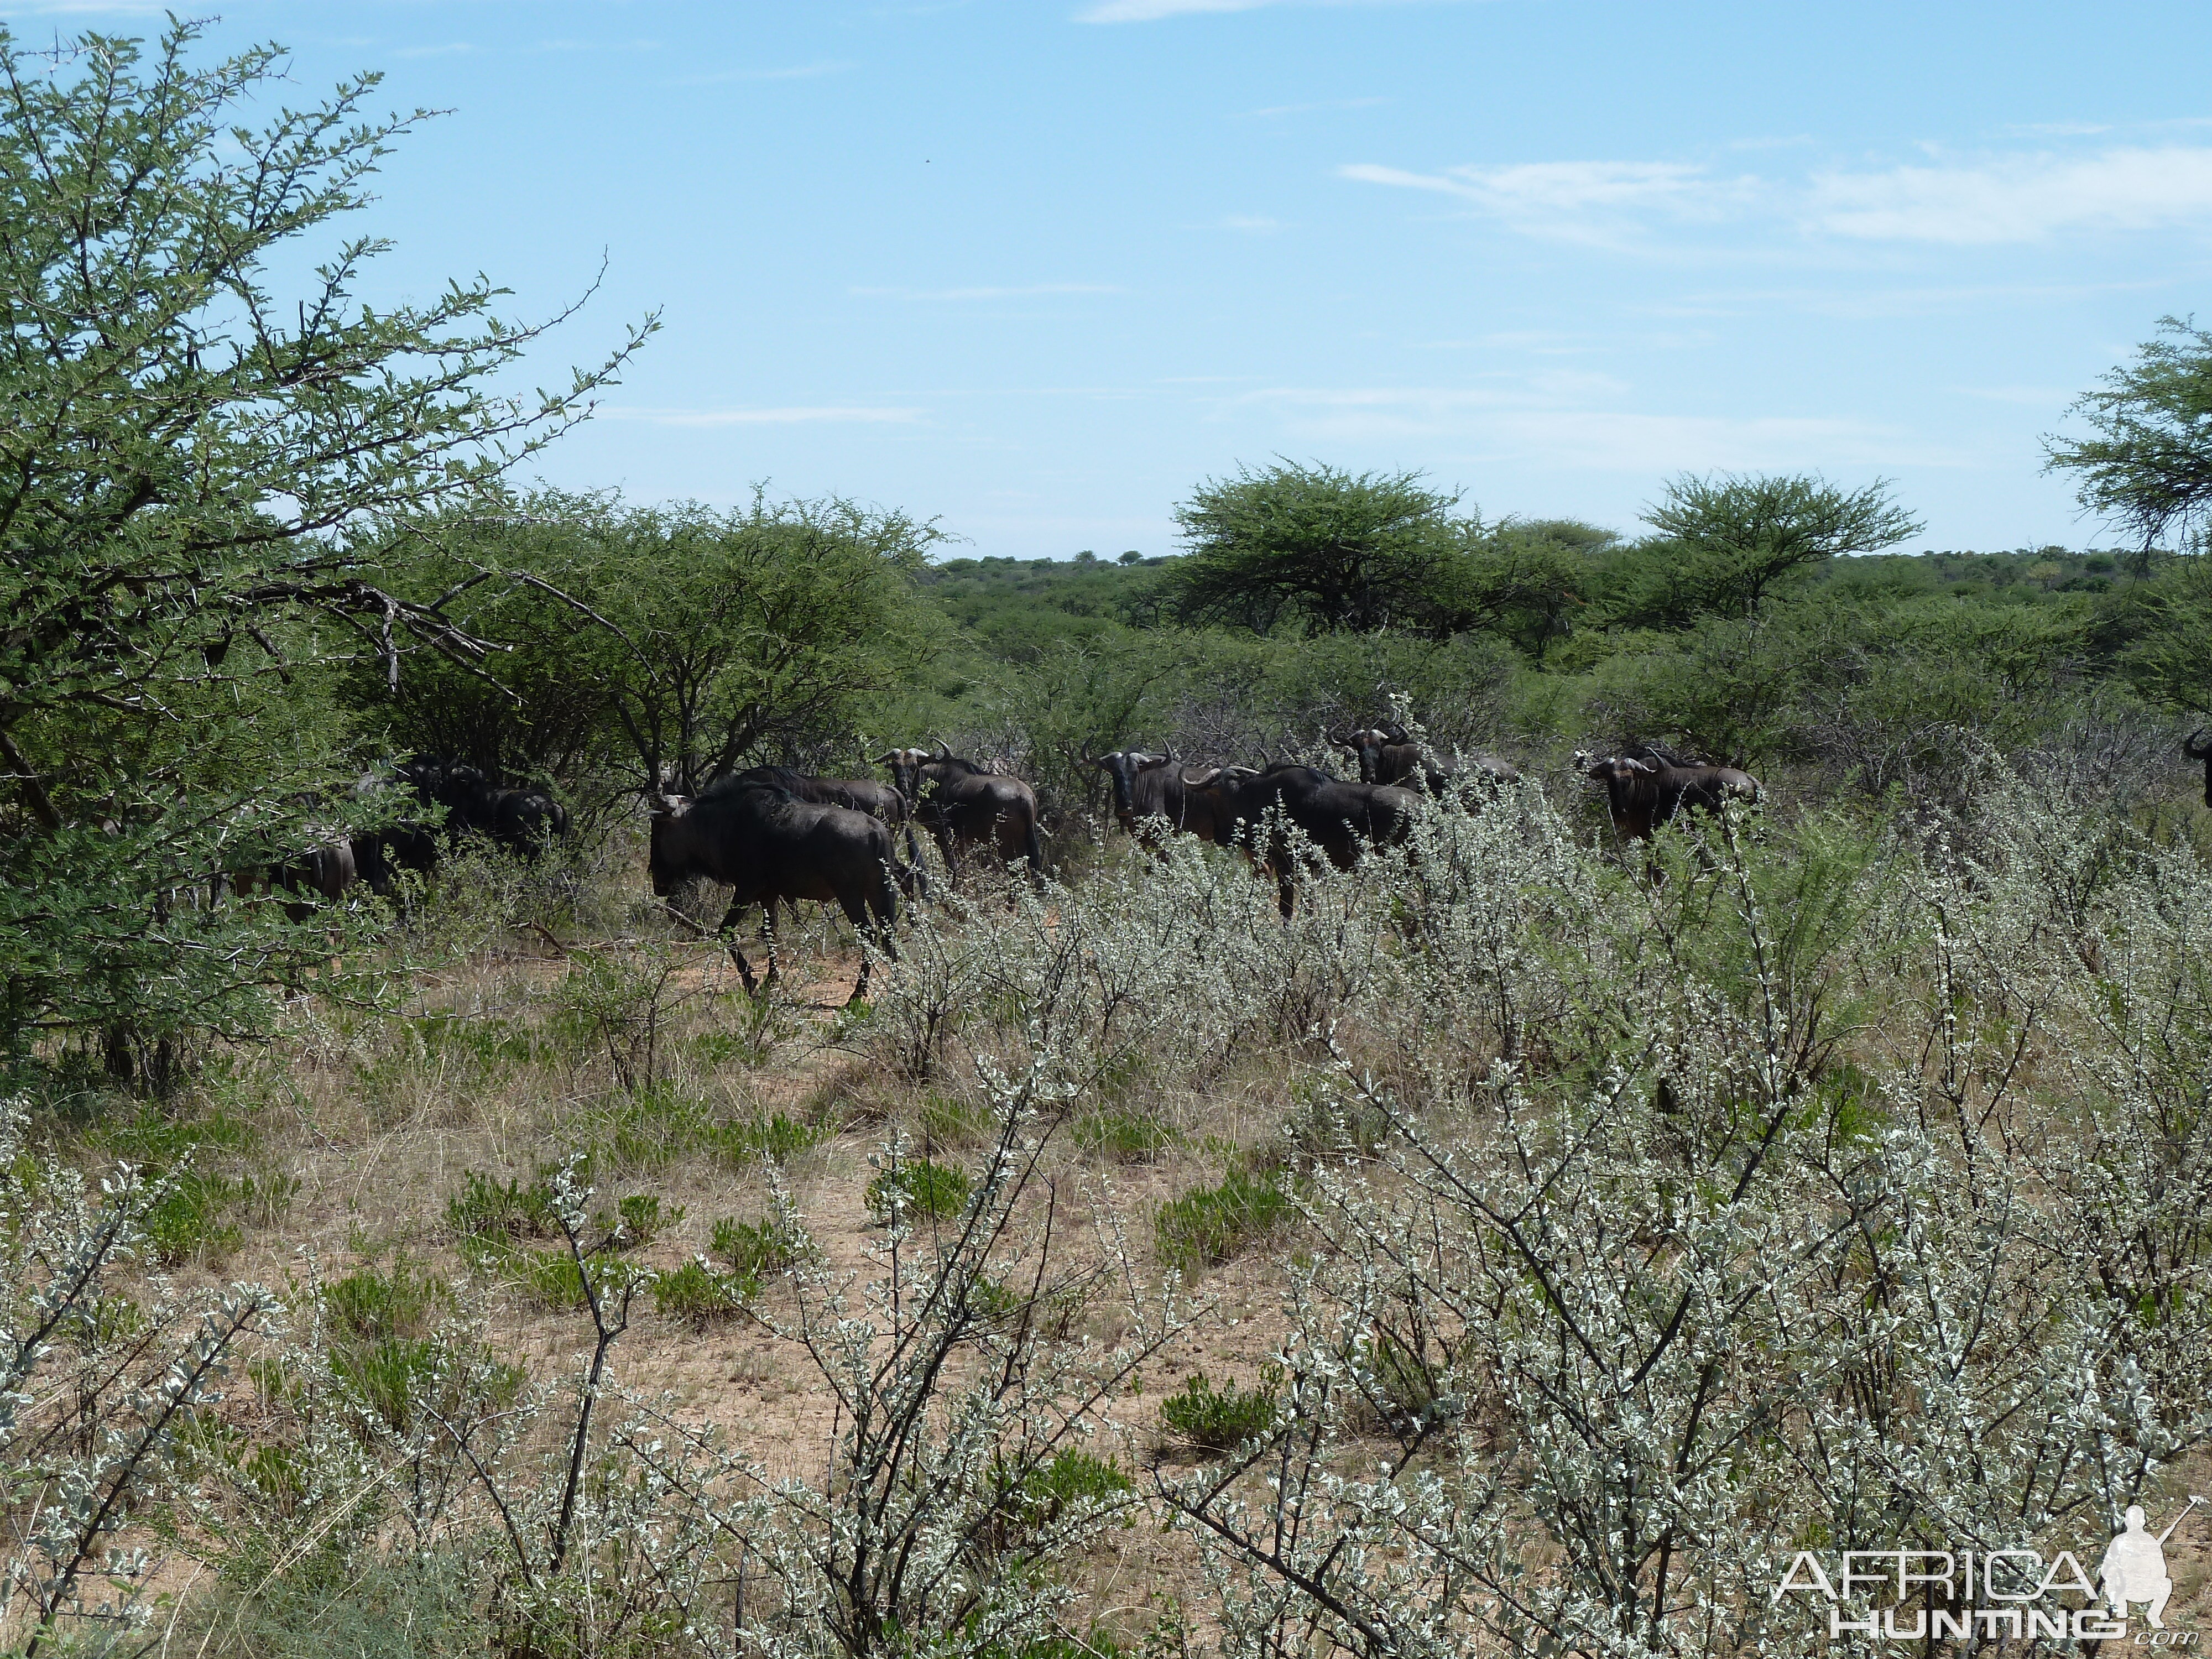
x=521 y=821
x=1148 y=791
x=1387 y=754
x=964 y=806
x=767 y=845
x=324 y=871
x=878 y=800
x=2198 y=747
x=1342 y=819
x=1642 y=794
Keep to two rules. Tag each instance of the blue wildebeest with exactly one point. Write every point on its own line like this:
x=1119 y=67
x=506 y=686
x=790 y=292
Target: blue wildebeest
x=1342 y=820
x=1644 y=794
x=964 y=806
x=767 y=845
x=1387 y=754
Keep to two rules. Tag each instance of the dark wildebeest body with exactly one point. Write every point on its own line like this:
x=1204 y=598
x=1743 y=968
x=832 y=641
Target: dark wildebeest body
x=878 y=800
x=767 y=845
x=964 y=806
x=323 y=870
x=1342 y=819
x=2198 y=747
x=408 y=844
x=519 y=821
x=1147 y=790
x=1642 y=794
x=1387 y=754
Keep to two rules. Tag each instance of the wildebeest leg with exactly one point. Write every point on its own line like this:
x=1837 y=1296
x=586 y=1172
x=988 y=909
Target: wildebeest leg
x=872 y=921
x=768 y=929
x=729 y=931
x=1283 y=891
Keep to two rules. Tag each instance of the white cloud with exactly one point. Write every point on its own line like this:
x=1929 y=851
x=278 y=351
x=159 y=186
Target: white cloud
x=802 y=416
x=1548 y=423
x=1030 y=291
x=2018 y=198
x=1254 y=223
x=450 y=49
x=1575 y=199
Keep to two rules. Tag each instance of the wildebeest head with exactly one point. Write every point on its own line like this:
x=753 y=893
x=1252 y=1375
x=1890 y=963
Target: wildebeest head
x=659 y=861
x=1123 y=765
x=1642 y=794
x=2198 y=747
x=1367 y=744
x=906 y=766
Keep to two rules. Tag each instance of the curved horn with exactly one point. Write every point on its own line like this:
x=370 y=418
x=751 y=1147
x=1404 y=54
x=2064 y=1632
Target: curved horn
x=944 y=748
x=1343 y=742
x=1394 y=731
x=886 y=757
x=2198 y=744
x=1200 y=779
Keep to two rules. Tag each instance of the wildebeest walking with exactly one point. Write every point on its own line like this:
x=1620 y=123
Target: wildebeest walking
x=963 y=806
x=1642 y=794
x=1387 y=754
x=2198 y=747
x=324 y=871
x=521 y=821
x=1342 y=820
x=878 y=800
x=1148 y=791
x=767 y=845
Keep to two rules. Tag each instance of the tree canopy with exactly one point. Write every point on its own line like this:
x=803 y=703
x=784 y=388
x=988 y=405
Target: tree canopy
x=183 y=448
x=1726 y=542
x=2148 y=467
x=679 y=636
x=1331 y=549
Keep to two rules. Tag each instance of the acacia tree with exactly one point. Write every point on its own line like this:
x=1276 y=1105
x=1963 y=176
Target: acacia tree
x=1333 y=549
x=1726 y=542
x=182 y=447
x=2148 y=467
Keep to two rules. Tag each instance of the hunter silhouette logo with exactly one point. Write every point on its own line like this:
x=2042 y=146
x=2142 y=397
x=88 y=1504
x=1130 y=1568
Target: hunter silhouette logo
x=1998 y=1594
x=2134 y=1568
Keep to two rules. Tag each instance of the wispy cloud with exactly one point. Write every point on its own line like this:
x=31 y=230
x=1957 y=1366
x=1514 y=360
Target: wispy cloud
x=799 y=415
x=1029 y=291
x=1252 y=224
x=1566 y=422
x=447 y=49
x=795 y=72
x=1575 y=200
x=2018 y=198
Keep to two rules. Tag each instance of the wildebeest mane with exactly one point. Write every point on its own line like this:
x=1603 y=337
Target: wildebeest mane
x=774 y=780
x=1644 y=749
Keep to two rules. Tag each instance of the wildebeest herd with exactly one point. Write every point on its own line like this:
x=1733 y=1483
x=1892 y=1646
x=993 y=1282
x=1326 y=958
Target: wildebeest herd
x=774 y=835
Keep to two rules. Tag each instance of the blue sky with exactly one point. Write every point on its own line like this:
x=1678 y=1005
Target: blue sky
x=1035 y=270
